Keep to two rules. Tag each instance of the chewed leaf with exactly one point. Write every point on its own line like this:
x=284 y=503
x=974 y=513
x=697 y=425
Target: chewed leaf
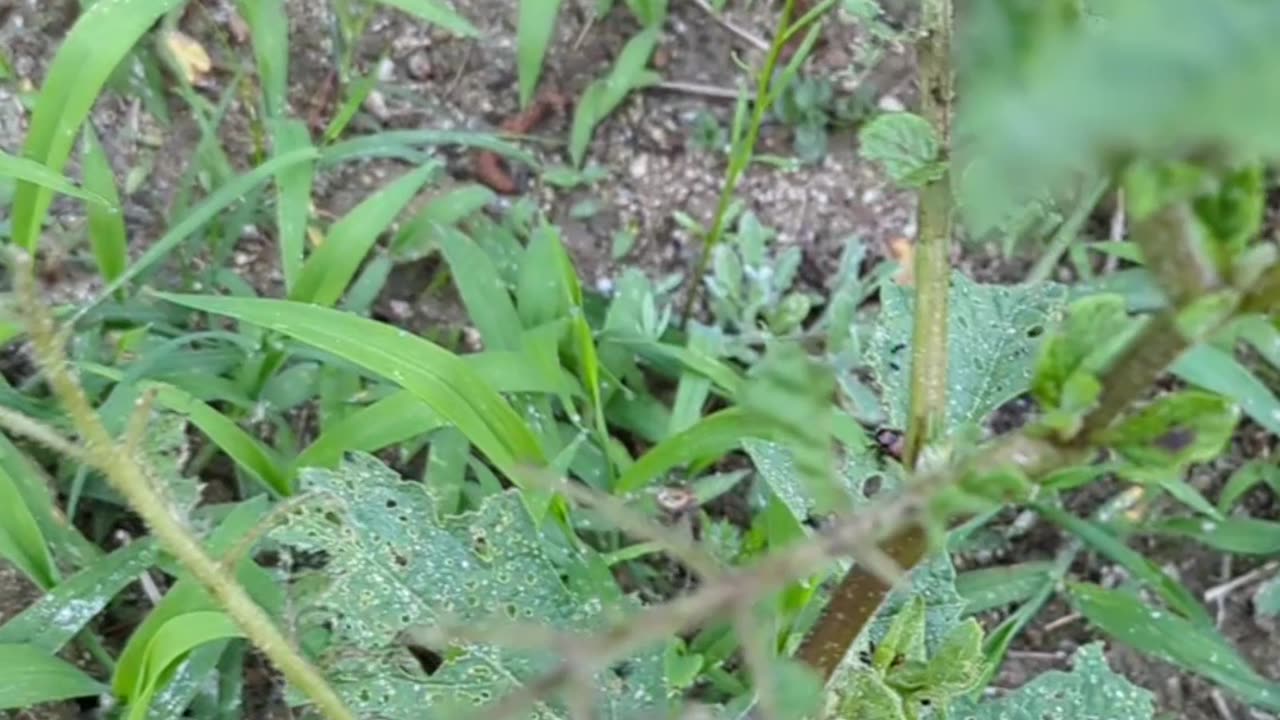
x=1090 y=690
x=994 y=335
x=393 y=566
x=1175 y=430
x=906 y=145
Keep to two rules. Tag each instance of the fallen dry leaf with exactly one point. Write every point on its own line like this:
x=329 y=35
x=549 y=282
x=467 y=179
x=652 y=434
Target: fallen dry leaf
x=189 y=54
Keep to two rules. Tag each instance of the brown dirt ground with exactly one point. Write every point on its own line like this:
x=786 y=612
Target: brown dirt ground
x=433 y=80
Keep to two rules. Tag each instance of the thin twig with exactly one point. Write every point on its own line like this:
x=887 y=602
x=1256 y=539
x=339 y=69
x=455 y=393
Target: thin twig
x=746 y=35
x=1219 y=592
x=701 y=89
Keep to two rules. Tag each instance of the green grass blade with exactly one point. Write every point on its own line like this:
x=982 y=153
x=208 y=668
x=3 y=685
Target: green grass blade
x=21 y=540
x=435 y=12
x=107 y=234
x=1197 y=648
x=420 y=234
x=33 y=486
x=535 y=27
x=245 y=450
x=1239 y=535
x=171 y=643
x=391 y=420
x=1244 y=479
x=401 y=143
x=326 y=273
x=713 y=435
x=1212 y=369
x=207 y=210
x=1094 y=535
x=269 y=29
x=30 y=676
x=438 y=377
x=30 y=171
x=293 y=201
x=53 y=620
x=483 y=293
x=186 y=595
x=357 y=92
x=93 y=47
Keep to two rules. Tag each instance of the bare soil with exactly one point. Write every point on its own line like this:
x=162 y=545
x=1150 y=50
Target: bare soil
x=432 y=80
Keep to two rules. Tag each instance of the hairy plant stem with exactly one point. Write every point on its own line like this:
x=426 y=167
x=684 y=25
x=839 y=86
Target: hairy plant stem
x=927 y=412
x=862 y=591
x=740 y=155
x=129 y=478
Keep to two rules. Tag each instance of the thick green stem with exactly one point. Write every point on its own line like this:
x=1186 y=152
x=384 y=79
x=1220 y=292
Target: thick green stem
x=928 y=408
x=129 y=479
x=740 y=155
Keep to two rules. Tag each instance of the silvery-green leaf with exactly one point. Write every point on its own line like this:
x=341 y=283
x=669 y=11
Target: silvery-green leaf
x=392 y=565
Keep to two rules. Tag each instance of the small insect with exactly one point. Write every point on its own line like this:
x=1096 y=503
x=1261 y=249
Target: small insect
x=679 y=506
x=891 y=442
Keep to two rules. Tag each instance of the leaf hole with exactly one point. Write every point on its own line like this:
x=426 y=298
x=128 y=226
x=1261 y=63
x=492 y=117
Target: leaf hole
x=429 y=659
x=1035 y=331
x=872 y=485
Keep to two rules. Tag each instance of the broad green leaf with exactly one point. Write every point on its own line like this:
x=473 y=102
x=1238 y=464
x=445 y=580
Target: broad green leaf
x=32 y=676
x=1218 y=371
x=328 y=270
x=1093 y=329
x=1198 y=649
x=1043 y=124
x=438 y=377
x=906 y=145
x=53 y=620
x=1175 y=430
x=293 y=194
x=89 y=52
x=269 y=30
x=604 y=95
x=987 y=588
x=534 y=29
x=21 y=540
x=436 y=12
x=30 y=171
x=1090 y=690
x=1233 y=214
x=392 y=564
x=172 y=642
x=1239 y=535
x=994 y=337
x=106 y=223
x=777 y=468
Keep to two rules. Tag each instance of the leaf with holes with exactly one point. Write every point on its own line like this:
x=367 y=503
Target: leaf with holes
x=1090 y=690
x=1176 y=430
x=994 y=338
x=393 y=569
